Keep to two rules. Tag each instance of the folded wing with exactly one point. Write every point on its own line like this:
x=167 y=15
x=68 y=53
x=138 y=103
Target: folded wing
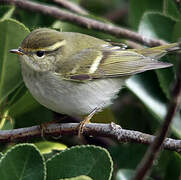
x=109 y=61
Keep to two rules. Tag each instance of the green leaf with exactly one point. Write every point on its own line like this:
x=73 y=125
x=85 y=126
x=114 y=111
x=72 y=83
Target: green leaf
x=124 y=155
x=171 y=9
x=150 y=27
x=173 y=167
x=48 y=147
x=126 y=174
x=143 y=88
x=34 y=20
x=168 y=165
x=23 y=162
x=28 y=112
x=177 y=37
x=11 y=34
x=6 y=12
x=19 y=92
x=176 y=31
x=137 y=9
x=25 y=104
x=78 y=178
x=81 y=160
x=1 y=155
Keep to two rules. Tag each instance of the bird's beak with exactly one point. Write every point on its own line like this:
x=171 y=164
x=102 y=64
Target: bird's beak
x=17 y=51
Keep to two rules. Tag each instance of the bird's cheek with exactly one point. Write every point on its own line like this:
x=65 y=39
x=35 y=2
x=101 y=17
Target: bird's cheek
x=30 y=62
x=45 y=64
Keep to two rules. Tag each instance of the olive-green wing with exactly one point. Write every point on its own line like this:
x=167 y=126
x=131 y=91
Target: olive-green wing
x=109 y=61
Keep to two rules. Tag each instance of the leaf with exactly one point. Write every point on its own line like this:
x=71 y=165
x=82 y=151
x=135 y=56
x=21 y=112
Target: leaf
x=23 y=105
x=19 y=92
x=34 y=20
x=11 y=34
x=124 y=155
x=6 y=12
x=168 y=165
x=143 y=88
x=177 y=37
x=78 y=178
x=28 y=112
x=176 y=31
x=105 y=116
x=24 y=162
x=81 y=160
x=126 y=174
x=171 y=9
x=138 y=9
x=48 y=147
x=173 y=167
x=125 y=158
x=150 y=27
x=1 y=155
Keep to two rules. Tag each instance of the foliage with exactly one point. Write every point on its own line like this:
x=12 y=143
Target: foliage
x=33 y=166
x=144 y=100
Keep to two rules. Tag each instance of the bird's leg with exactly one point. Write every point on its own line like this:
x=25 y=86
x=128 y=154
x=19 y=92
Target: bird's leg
x=86 y=121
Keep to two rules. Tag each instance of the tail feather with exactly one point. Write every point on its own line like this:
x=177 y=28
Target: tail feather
x=159 y=51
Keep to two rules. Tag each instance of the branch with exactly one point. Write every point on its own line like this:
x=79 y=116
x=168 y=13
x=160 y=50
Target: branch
x=92 y=129
x=154 y=149
x=71 y=6
x=83 y=21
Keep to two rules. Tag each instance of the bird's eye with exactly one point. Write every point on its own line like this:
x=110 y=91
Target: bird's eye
x=40 y=53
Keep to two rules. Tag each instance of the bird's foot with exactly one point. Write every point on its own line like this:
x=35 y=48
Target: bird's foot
x=86 y=121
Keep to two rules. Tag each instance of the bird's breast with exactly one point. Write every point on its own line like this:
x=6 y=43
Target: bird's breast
x=68 y=97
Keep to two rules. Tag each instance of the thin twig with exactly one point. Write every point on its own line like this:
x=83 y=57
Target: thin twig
x=92 y=129
x=71 y=6
x=153 y=151
x=83 y=21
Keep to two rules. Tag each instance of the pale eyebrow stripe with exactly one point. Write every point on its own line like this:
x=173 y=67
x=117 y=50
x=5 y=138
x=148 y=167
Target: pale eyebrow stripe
x=48 y=48
x=55 y=46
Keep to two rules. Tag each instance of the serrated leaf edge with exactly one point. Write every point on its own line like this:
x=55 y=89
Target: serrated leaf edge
x=30 y=145
x=87 y=146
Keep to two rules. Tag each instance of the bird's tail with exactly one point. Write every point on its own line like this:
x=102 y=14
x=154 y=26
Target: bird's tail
x=159 y=51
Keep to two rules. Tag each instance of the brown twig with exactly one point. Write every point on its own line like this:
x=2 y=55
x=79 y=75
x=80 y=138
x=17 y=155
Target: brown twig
x=71 y=6
x=153 y=151
x=92 y=129
x=83 y=21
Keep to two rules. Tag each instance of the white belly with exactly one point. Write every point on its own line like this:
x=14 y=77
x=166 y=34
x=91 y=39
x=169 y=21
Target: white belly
x=71 y=98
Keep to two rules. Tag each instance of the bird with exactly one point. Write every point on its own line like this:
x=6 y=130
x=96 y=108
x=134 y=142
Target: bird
x=79 y=75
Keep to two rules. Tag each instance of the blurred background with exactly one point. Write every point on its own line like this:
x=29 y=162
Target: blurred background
x=141 y=105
